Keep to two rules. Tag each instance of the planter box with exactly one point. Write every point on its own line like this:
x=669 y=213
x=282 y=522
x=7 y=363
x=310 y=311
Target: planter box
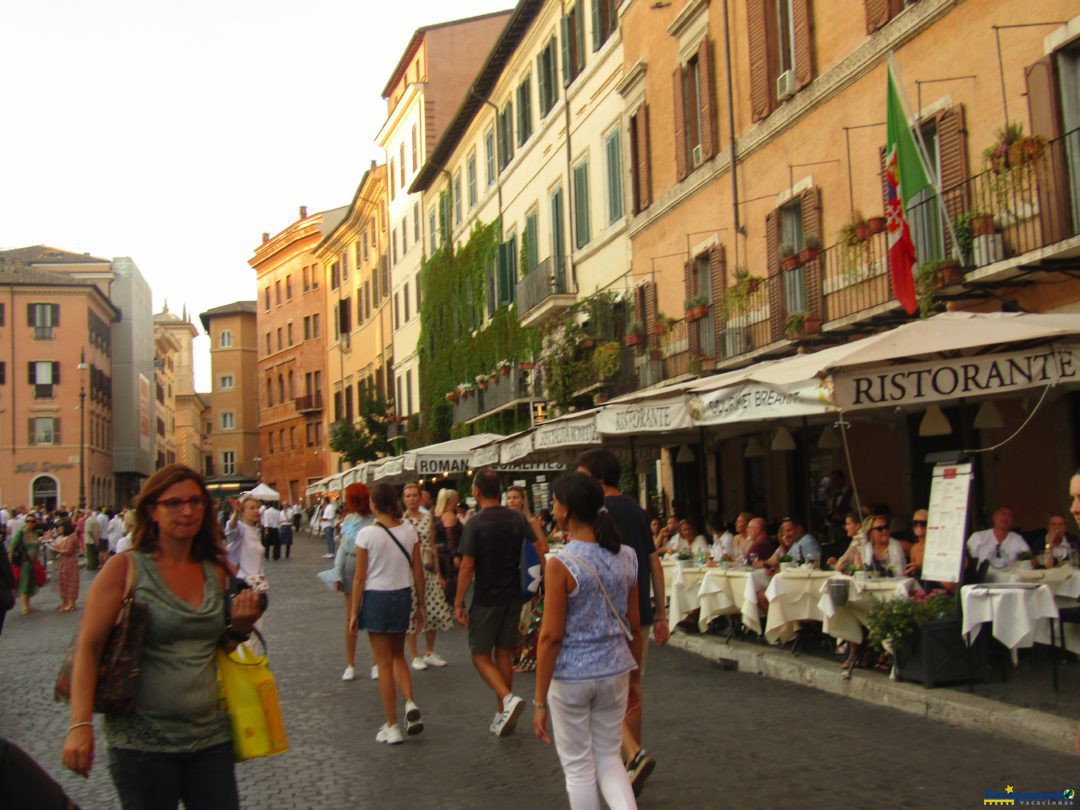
x=633 y=340
x=790 y=262
x=937 y=654
x=808 y=254
x=876 y=224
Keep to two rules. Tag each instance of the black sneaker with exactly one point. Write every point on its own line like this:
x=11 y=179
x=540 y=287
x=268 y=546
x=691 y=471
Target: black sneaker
x=639 y=769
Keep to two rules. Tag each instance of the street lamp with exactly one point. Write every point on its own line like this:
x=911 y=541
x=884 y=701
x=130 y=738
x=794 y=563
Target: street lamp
x=82 y=429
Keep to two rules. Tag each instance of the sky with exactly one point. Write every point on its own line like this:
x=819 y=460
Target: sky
x=177 y=133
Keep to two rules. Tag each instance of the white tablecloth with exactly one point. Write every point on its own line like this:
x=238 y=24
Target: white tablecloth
x=793 y=597
x=1064 y=581
x=682 y=584
x=1014 y=611
x=847 y=622
x=729 y=591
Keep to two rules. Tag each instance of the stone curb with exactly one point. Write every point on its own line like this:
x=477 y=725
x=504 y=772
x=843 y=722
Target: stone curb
x=960 y=709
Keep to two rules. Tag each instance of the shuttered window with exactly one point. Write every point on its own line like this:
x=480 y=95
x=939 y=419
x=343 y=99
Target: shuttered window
x=640 y=194
x=506 y=135
x=44 y=430
x=532 y=236
x=613 y=156
x=879 y=12
x=524 y=119
x=581 y=204
x=43 y=375
x=695 y=128
x=573 y=44
x=43 y=317
x=605 y=19
x=547 y=78
x=558 y=239
x=793 y=290
x=780 y=45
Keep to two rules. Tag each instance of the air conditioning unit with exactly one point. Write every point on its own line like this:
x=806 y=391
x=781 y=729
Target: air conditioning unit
x=695 y=156
x=785 y=85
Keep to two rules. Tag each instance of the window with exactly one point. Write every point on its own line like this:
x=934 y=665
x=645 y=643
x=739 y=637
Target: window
x=344 y=266
x=315 y=325
x=558 y=238
x=335 y=276
x=401 y=165
x=605 y=19
x=307 y=278
x=270 y=443
x=44 y=430
x=225 y=339
x=524 y=119
x=281 y=388
x=344 y=317
x=279 y=343
x=288 y=287
x=457 y=199
x=315 y=276
x=365 y=244
x=506 y=262
x=640 y=191
x=397 y=313
x=43 y=376
x=228 y=419
x=489 y=156
x=416 y=285
x=277 y=292
x=292 y=438
x=781 y=52
x=2 y=313
x=266 y=299
x=307 y=327
x=390 y=177
x=434 y=233
x=506 y=135
x=228 y=462
x=289 y=333
x=226 y=382
x=613 y=155
x=470 y=174
x=415 y=148
x=44 y=318
x=269 y=392
x=581 y=204
x=416 y=223
x=573 y=44
x=531 y=242
x=404 y=236
x=405 y=300
x=785 y=35
x=393 y=242
x=547 y=80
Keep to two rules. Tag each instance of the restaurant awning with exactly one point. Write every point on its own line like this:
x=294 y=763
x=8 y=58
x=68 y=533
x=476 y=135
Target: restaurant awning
x=449 y=458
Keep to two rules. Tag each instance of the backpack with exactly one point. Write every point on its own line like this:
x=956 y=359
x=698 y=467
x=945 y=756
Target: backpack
x=530 y=568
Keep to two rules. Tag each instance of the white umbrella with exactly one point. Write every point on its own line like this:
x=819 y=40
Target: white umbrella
x=263 y=493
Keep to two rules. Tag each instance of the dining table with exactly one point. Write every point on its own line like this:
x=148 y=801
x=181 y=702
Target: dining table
x=858 y=596
x=682 y=579
x=1014 y=610
x=1063 y=582
x=731 y=590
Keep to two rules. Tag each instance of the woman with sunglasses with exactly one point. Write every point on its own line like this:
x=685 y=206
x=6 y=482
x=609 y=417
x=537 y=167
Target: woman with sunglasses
x=176 y=744
x=918 y=548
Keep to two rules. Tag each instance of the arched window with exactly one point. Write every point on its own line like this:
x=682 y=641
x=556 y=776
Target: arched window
x=225 y=341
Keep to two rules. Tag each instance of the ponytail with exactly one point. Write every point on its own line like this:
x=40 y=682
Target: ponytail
x=607 y=532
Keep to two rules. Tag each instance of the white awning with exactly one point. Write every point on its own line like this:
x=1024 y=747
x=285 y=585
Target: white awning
x=449 y=458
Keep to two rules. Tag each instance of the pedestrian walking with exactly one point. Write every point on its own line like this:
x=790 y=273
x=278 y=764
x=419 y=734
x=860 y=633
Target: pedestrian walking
x=387 y=568
x=440 y=617
x=491 y=547
x=66 y=548
x=357 y=516
x=328 y=523
x=25 y=552
x=8 y=582
x=532 y=612
x=177 y=741
x=285 y=530
x=587 y=667
x=243 y=546
x=448 y=528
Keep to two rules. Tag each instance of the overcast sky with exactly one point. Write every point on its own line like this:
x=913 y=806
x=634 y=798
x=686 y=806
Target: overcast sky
x=176 y=133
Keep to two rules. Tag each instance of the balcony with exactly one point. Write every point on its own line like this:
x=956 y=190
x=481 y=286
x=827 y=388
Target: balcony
x=665 y=356
x=506 y=390
x=544 y=293
x=310 y=403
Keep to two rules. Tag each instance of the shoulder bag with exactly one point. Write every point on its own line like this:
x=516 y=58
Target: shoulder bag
x=618 y=616
x=118 y=670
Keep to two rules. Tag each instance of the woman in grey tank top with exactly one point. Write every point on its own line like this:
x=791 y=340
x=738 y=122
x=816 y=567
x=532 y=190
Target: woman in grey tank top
x=176 y=744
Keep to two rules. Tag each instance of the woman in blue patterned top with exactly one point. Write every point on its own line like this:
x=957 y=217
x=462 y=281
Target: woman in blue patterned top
x=590 y=646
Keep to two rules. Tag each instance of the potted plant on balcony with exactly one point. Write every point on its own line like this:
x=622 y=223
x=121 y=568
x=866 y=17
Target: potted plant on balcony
x=932 y=277
x=526 y=365
x=662 y=325
x=696 y=307
x=800 y=324
x=481 y=381
x=635 y=333
x=607 y=360
x=811 y=248
x=737 y=296
x=855 y=231
x=789 y=259
x=504 y=368
x=875 y=224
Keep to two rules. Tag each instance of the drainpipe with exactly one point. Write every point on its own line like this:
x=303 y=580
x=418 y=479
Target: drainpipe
x=569 y=172
x=498 y=170
x=731 y=132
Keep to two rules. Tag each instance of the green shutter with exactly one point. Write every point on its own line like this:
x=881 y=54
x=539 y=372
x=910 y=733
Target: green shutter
x=541 y=82
x=579 y=29
x=567 y=68
x=597 y=26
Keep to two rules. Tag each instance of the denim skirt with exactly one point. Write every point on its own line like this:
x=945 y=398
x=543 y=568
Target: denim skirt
x=386 y=611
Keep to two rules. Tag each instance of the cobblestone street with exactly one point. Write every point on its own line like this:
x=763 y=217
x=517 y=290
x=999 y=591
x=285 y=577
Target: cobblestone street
x=720 y=737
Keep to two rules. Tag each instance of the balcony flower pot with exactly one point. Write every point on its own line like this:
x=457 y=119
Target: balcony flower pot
x=948 y=274
x=690 y=315
x=811 y=325
x=587 y=342
x=481 y=385
x=656 y=354
x=493 y=379
x=982 y=225
x=808 y=254
x=526 y=366
x=791 y=262
x=633 y=340
x=875 y=224
x=504 y=371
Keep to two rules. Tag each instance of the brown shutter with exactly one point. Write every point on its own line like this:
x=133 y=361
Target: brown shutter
x=680 y=124
x=690 y=290
x=635 y=159
x=877 y=14
x=649 y=289
x=645 y=158
x=811 y=218
x=707 y=100
x=804 y=42
x=718 y=274
x=776 y=291
x=639 y=158
x=952 y=146
x=762 y=93
x=1045 y=113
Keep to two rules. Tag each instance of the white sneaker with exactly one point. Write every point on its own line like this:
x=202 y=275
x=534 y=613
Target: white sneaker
x=328 y=556
x=513 y=706
x=494 y=727
x=433 y=659
x=414 y=723
x=349 y=674
x=390 y=734
x=375 y=672
x=418 y=664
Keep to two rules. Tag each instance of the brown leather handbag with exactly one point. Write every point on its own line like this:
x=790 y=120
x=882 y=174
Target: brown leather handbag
x=118 y=669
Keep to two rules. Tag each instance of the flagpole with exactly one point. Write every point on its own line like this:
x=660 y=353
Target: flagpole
x=920 y=146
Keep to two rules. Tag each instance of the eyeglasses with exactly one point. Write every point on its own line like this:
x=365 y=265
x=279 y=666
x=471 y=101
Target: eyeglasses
x=176 y=505
x=879 y=528
x=918 y=523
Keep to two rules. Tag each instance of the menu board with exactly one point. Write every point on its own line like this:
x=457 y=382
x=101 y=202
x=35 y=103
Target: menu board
x=947 y=522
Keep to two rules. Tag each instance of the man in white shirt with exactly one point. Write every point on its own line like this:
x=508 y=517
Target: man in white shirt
x=998 y=545
x=5 y=518
x=115 y=531
x=16 y=522
x=327 y=524
x=271 y=523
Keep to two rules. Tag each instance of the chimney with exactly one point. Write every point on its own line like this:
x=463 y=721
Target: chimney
x=303 y=211
x=266 y=237
x=374 y=163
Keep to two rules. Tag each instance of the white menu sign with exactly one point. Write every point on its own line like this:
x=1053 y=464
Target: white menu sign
x=948 y=518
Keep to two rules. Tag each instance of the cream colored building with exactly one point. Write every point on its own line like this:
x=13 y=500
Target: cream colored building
x=424 y=89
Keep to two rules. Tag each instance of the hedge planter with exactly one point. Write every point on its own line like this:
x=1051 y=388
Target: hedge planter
x=937 y=654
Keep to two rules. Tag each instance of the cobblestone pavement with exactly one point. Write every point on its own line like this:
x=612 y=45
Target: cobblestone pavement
x=720 y=737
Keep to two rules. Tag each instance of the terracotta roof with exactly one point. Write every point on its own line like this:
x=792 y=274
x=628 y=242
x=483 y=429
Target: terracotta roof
x=235 y=308
x=16 y=271
x=43 y=254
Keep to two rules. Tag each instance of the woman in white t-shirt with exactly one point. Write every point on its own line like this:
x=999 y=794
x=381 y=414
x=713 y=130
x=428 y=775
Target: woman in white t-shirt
x=387 y=566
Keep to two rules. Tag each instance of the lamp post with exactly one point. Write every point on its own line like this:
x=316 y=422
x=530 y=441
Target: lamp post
x=82 y=429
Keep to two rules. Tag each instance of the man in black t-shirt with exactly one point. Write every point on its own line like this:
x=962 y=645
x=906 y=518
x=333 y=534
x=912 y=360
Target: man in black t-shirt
x=633 y=523
x=490 y=548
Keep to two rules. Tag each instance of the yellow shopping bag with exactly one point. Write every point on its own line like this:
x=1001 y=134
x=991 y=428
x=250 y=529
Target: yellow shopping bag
x=247 y=690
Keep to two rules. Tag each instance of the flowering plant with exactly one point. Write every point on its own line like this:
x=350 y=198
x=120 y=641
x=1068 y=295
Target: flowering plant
x=891 y=623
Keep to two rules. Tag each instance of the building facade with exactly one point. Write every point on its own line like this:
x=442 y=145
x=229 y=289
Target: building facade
x=291 y=322
x=57 y=389
x=234 y=397
x=425 y=88
x=360 y=342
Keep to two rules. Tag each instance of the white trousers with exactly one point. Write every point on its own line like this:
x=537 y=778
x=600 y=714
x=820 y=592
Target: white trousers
x=587 y=717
